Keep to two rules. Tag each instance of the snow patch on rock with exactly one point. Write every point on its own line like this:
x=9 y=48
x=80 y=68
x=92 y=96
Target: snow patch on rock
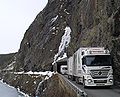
x=54 y=19
x=63 y=45
x=46 y=73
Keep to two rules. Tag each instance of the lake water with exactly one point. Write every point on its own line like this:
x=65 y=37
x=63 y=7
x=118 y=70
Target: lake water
x=7 y=91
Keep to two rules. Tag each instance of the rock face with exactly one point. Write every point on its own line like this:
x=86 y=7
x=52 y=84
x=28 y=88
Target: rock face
x=92 y=22
x=56 y=88
x=6 y=59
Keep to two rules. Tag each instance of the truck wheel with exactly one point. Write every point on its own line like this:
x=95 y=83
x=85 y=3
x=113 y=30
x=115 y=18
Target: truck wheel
x=73 y=78
x=68 y=77
x=109 y=87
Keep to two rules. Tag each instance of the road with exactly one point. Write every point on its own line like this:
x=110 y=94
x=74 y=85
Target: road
x=100 y=91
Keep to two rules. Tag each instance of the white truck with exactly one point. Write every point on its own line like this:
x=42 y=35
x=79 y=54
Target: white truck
x=91 y=66
x=63 y=69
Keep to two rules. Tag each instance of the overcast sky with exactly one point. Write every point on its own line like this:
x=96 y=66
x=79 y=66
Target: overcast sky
x=15 y=17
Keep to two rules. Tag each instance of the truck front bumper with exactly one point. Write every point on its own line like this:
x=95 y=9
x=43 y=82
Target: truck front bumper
x=99 y=82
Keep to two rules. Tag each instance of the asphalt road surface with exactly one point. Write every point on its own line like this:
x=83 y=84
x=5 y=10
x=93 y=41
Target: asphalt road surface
x=100 y=91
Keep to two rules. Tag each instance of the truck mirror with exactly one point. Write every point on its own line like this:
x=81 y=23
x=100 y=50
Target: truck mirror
x=83 y=61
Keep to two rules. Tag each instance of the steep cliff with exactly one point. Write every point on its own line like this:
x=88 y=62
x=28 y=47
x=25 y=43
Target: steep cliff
x=6 y=60
x=92 y=23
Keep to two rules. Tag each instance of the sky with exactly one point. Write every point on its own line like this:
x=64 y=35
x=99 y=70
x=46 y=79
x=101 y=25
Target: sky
x=15 y=18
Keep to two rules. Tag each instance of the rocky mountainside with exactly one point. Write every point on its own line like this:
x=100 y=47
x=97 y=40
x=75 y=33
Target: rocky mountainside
x=61 y=28
x=90 y=23
x=6 y=59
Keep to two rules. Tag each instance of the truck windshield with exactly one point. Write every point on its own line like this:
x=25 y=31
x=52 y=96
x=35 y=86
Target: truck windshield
x=97 y=60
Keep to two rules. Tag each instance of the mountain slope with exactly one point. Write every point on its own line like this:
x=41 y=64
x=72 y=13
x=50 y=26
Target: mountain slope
x=6 y=59
x=92 y=23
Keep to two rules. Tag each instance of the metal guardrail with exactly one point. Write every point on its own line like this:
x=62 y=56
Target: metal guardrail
x=79 y=92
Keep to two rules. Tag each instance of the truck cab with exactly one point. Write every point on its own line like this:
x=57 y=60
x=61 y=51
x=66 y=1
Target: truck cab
x=96 y=67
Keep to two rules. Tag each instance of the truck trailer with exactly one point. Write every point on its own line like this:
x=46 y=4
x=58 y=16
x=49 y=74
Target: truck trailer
x=91 y=66
x=70 y=68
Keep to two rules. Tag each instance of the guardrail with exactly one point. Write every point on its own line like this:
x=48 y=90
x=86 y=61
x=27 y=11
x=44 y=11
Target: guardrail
x=79 y=92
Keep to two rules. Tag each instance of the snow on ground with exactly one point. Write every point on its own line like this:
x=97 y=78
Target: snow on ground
x=63 y=57
x=66 y=11
x=46 y=73
x=64 y=44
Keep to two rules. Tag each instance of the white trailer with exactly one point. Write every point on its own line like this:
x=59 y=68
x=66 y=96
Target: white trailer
x=70 y=68
x=92 y=66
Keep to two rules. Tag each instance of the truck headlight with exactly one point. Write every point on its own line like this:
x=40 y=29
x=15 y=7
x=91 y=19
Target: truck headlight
x=89 y=80
x=111 y=80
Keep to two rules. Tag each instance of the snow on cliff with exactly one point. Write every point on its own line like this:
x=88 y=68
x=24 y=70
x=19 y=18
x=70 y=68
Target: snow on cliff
x=64 y=44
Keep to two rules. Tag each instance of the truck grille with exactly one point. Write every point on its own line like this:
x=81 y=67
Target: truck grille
x=99 y=73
